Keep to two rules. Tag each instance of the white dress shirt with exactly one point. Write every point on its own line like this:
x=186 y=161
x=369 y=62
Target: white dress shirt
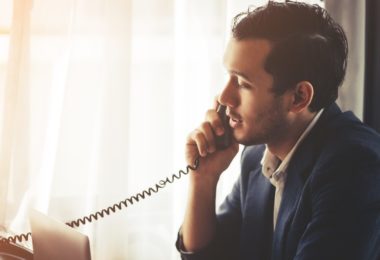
x=275 y=170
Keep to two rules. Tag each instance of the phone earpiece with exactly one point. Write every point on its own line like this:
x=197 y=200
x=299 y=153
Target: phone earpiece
x=223 y=141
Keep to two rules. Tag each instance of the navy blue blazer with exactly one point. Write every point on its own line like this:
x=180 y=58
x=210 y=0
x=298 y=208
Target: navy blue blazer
x=330 y=207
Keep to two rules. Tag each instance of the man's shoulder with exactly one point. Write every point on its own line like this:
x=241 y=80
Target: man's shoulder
x=345 y=131
x=345 y=145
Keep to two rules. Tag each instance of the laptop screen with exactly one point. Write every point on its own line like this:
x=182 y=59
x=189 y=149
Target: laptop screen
x=53 y=239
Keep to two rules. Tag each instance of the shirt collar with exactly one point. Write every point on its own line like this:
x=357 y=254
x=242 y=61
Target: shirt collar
x=272 y=165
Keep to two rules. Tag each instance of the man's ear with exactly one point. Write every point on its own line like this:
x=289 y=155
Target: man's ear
x=302 y=96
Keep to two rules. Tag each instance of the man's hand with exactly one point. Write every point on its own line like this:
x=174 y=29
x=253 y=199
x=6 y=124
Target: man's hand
x=201 y=144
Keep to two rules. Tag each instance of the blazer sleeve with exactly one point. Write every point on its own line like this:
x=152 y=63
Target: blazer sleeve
x=345 y=198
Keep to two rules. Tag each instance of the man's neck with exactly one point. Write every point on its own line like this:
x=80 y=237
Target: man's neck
x=283 y=145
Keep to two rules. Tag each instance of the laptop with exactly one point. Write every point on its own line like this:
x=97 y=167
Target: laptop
x=53 y=239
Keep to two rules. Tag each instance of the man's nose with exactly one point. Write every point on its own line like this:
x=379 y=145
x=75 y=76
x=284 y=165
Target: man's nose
x=228 y=96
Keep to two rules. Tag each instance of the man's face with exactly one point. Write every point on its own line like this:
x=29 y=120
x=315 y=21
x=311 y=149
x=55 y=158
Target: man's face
x=257 y=114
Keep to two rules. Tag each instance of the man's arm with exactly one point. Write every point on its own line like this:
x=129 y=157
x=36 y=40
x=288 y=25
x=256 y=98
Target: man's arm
x=199 y=224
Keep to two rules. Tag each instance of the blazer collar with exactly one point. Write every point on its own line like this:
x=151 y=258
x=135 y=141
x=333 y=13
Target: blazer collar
x=298 y=171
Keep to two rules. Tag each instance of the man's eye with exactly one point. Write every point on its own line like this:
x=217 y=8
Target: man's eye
x=242 y=85
x=239 y=84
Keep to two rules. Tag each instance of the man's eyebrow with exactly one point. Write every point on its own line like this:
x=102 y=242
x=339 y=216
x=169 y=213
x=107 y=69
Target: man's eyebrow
x=245 y=77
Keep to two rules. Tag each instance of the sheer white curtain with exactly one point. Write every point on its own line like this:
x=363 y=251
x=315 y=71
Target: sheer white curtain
x=97 y=97
x=351 y=15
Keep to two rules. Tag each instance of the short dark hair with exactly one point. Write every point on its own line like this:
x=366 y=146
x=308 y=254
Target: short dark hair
x=307 y=45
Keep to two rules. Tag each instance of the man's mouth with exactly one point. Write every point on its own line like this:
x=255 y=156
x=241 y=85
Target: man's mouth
x=235 y=121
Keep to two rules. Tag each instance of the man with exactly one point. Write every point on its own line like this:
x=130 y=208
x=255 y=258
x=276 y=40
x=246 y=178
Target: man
x=310 y=174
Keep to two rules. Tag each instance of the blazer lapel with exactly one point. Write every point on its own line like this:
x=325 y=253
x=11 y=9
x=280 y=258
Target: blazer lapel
x=259 y=218
x=298 y=171
x=290 y=197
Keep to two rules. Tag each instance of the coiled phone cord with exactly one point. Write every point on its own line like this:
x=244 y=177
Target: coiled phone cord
x=116 y=207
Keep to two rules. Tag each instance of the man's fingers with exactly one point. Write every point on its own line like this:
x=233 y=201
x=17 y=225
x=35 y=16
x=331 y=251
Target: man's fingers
x=216 y=123
x=208 y=133
x=198 y=137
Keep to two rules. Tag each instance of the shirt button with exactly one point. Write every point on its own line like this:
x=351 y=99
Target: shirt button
x=276 y=176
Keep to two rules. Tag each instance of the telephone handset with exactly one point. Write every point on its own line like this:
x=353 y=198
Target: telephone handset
x=224 y=141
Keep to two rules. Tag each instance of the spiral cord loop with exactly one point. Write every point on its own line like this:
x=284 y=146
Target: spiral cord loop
x=116 y=207
x=16 y=238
